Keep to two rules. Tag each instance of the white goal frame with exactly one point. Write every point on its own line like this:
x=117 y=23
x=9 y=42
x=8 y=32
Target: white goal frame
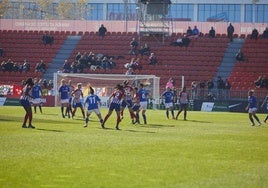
x=152 y=81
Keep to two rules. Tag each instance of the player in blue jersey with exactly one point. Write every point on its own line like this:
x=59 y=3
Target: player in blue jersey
x=168 y=97
x=64 y=92
x=25 y=102
x=252 y=107
x=143 y=93
x=37 y=93
x=69 y=109
x=263 y=103
x=92 y=104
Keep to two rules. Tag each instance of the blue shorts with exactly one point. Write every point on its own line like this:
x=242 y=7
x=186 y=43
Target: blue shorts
x=25 y=103
x=114 y=106
x=127 y=103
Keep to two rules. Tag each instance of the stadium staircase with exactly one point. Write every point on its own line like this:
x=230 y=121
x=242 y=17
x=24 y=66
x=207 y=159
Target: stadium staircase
x=256 y=64
x=63 y=53
x=229 y=60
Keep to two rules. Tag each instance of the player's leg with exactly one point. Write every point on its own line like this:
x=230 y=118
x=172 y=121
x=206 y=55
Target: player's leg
x=87 y=118
x=40 y=108
x=265 y=120
x=144 y=116
x=256 y=117
x=172 y=112
x=118 y=119
x=30 y=116
x=251 y=119
x=82 y=110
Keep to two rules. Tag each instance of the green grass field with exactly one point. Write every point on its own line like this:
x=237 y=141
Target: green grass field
x=213 y=149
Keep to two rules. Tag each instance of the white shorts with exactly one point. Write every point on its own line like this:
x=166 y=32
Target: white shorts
x=97 y=111
x=36 y=101
x=169 y=105
x=251 y=110
x=143 y=105
x=64 y=101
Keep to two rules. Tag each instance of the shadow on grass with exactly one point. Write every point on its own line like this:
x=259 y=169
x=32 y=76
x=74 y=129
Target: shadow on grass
x=155 y=126
x=198 y=121
x=50 y=130
x=129 y=130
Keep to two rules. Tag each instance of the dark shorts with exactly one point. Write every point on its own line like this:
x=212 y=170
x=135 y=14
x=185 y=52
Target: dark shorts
x=25 y=103
x=136 y=107
x=114 y=106
x=127 y=103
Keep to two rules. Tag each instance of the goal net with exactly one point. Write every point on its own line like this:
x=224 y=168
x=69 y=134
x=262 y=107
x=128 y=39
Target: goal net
x=104 y=84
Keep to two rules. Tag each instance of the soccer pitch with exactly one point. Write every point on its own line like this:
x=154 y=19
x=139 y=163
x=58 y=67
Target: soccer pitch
x=210 y=149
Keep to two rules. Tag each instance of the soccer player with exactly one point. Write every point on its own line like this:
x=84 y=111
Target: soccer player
x=92 y=104
x=143 y=93
x=64 y=91
x=69 y=108
x=77 y=95
x=168 y=97
x=183 y=99
x=25 y=102
x=252 y=108
x=136 y=104
x=114 y=102
x=265 y=101
x=37 y=93
x=128 y=91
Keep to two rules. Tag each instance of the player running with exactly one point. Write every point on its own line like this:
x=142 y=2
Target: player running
x=168 y=97
x=128 y=91
x=183 y=99
x=76 y=101
x=92 y=104
x=37 y=93
x=252 y=108
x=114 y=102
x=25 y=102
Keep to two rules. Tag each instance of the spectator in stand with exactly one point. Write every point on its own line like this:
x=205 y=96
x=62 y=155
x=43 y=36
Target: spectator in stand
x=189 y=32
x=3 y=66
x=47 y=39
x=210 y=85
x=102 y=31
x=130 y=71
x=240 y=56
x=220 y=86
x=26 y=66
x=145 y=50
x=40 y=67
x=184 y=41
x=202 y=85
x=265 y=33
x=74 y=67
x=133 y=46
x=66 y=67
x=254 y=34
x=212 y=33
x=15 y=67
x=230 y=32
x=9 y=65
x=195 y=32
x=193 y=89
x=227 y=87
x=111 y=63
x=264 y=82
x=77 y=56
x=20 y=67
x=152 y=59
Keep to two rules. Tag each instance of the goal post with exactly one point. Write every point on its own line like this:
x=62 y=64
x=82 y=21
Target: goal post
x=104 y=84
